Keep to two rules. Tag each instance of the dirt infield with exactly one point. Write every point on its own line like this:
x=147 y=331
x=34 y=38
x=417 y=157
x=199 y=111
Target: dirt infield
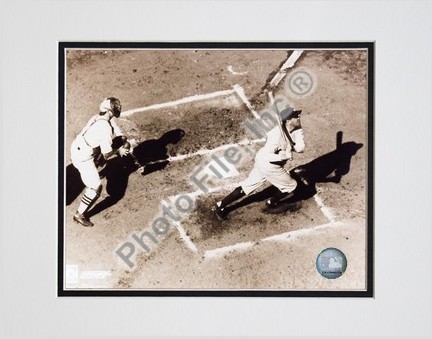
x=251 y=250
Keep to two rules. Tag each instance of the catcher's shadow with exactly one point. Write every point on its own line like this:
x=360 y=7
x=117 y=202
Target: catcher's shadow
x=151 y=154
x=117 y=172
x=74 y=184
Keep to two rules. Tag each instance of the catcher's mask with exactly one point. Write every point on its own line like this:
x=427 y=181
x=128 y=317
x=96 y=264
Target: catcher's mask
x=111 y=104
x=115 y=106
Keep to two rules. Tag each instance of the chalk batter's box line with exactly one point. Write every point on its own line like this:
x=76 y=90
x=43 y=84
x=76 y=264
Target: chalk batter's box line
x=185 y=100
x=286 y=237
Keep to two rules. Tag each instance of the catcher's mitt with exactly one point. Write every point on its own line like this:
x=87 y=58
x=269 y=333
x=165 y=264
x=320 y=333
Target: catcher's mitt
x=118 y=142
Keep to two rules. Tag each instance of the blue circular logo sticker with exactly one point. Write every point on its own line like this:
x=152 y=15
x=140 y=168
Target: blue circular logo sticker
x=331 y=263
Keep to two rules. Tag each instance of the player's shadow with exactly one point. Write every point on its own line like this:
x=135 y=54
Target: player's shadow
x=118 y=169
x=153 y=153
x=329 y=167
x=74 y=184
x=116 y=172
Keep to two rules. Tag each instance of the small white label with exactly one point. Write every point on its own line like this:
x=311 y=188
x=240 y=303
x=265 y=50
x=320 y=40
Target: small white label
x=71 y=274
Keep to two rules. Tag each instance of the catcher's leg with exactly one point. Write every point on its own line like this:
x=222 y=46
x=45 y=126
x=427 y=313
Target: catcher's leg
x=88 y=199
x=91 y=179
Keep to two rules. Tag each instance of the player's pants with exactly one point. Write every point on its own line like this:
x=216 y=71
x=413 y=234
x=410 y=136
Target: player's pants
x=89 y=173
x=274 y=174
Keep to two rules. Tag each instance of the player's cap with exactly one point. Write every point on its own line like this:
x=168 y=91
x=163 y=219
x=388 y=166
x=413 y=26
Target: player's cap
x=289 y=113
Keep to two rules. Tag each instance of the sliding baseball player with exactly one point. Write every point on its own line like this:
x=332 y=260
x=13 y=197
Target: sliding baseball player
x=270 y=160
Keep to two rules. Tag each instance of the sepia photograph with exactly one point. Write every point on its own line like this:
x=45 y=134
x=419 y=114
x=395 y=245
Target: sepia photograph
x=215 y=169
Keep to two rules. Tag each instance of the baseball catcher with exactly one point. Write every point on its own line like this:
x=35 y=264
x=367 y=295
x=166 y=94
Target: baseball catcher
x=269 y=163
x=92 y=147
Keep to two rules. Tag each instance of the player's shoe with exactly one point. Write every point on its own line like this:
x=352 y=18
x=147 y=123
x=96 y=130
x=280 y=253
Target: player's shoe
x=81 y=219
x=220 y=213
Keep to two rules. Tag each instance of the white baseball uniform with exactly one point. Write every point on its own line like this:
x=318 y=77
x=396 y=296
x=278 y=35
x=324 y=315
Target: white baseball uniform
x=274 y=150
x=98 y=132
